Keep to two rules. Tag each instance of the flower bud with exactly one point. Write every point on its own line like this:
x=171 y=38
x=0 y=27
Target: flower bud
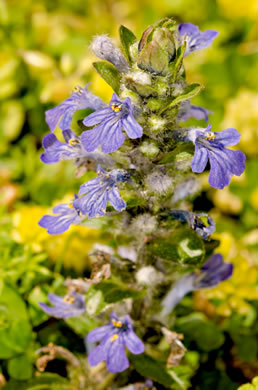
x=156 y=49
x=105 y=50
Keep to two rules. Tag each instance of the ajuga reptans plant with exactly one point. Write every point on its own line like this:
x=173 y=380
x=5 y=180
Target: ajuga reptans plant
x=145 y=161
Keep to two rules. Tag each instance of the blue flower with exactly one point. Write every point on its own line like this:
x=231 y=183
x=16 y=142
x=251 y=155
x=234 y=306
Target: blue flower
x=114 y=337
x=95 y=193
x=71 y=305
x=224 y=163
x=67 y=214
x=202 y=223
x=80 y=99
x=108 y=134
x=71 y=149
x=195 y=39
x=188 y=110
x=210 y=275
x=56 y=150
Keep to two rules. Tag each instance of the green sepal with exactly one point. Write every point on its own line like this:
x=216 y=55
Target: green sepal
x=127 y=38
x=189 y=92
x=109 y=73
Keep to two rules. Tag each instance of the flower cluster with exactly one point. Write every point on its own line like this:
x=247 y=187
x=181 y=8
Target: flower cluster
x=139 y=127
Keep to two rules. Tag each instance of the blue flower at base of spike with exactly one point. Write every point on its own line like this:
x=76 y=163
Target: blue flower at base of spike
x=114 y=337
x=68 y=214
x=71 y=305
x=95 y=193
x=210 y=275
x=224 y=163
x=194 y=38
x=188 y=110
x=79 y=100
x=202 y=223
x=56 y=151
x=110 y=121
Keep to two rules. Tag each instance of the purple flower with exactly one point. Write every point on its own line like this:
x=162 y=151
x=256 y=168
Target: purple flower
x=67 y=214
x=210 y=275
x=195 y=39
x=56 y=151
x=71 y=305
x=108 y=134
x=224 y=163
x=70 y=149
x=95 y=193
x=202 y=223
x=80 y=99
x=114 y=337
x=187 y=110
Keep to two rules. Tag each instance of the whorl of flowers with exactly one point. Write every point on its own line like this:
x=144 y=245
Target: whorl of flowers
x=144 y=170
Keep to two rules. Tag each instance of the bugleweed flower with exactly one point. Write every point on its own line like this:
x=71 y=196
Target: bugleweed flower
x=68 y=214
x=80 y=99
x=95 y=193
x=111 y=120
x=196 y=221
x=224 y=163
x=71 y=305
x=72 y=148
x=114 y=337
x=56 y=151
x=195 y=39
x=188 y=110
x=210 y=275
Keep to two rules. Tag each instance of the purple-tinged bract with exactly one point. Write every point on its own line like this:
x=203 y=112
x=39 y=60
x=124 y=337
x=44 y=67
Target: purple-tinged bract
x=224 y=163
x=67 y=214
x=63 y=113
x=95 y=193
x=71 y=305
x=210 y=275
x=110 y=121
x=114 y=337
x=194 y=38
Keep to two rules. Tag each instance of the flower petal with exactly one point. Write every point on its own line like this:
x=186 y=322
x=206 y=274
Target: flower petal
x=133 y=342
x=98 y=116
x=113 y=137
x=116 y=358
x=200 y=159
x=98 y=333
x=132 y=127
x=228 y=137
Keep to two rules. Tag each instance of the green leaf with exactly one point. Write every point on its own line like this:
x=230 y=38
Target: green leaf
x=205 y=333
x=189 y=92
x=182 y=246
x=151 y=368
x=109 y=73
x=15 y=330
x=42 y=382
x=179 y=60
x=247 y=347
x=127 y=39
x=20 y=368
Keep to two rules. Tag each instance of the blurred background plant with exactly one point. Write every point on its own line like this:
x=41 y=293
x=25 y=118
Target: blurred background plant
x=44 y=54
